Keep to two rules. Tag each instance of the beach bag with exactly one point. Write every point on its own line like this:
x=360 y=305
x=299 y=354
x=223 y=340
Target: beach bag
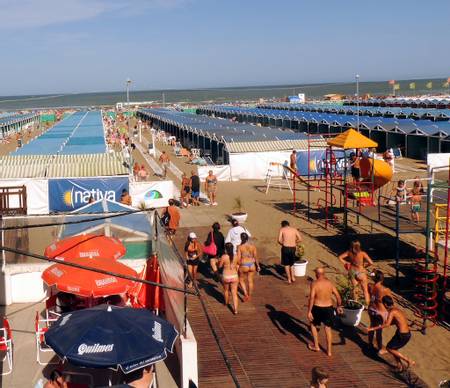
x=211 y=249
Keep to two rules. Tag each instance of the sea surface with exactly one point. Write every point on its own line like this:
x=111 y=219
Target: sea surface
x=217 y=95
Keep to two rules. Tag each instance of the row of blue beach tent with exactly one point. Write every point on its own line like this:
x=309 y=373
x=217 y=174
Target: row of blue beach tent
x=390 y=112
x=416 y=138
x=10 y=123
x=79 y=133
x=438 y=103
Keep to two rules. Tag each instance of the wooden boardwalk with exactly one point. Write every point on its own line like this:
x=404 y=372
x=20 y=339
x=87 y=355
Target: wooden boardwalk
x=266 y=342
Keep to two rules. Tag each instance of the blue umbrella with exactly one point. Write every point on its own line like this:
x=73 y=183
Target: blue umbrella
x=111 y=337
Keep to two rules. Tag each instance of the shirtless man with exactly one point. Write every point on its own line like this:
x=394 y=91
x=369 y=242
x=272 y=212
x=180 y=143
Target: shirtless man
x=401 y=336
x=320 y=308
x=293 y=162
x=288 y=239
x=164 y=160
x=356 y=267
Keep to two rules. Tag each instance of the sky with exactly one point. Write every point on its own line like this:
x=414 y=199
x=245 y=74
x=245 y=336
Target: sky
x=75 y=46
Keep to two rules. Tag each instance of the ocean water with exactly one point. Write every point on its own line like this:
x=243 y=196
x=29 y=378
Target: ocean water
x=216 y=95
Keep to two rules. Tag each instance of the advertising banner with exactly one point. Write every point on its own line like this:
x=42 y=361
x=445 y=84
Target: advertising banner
x=153 y=194
x=317 y=162
x=65 y=195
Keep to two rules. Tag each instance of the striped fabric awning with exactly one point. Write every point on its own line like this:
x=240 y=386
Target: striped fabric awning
x=274 y=145
x=61 y=166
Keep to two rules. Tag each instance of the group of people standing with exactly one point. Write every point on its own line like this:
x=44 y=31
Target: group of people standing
x=190 y=189
x=378 y=298
x=235 y=256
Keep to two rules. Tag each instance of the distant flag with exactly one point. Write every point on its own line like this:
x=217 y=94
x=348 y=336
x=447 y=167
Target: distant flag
x=429 y=85
x=392 y=82
x=412 y=85
x=396 y=86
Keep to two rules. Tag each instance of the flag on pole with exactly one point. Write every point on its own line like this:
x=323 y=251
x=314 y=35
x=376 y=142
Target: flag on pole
x=412 y=85
x=397 y=87
x=429 y=85
x=392 y=82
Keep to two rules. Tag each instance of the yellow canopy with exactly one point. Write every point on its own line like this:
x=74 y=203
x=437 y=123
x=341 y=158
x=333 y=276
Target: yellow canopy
x=352 y=139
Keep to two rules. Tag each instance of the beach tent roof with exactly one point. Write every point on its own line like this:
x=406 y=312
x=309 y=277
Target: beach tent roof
x=136 y=223
x=352 y=139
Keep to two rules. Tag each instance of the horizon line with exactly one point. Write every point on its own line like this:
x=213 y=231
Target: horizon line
x=256 y=87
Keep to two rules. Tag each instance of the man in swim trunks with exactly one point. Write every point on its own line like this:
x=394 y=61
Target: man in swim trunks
x=293 y=162
x=288 y=238
x=320 y=308
x=401 y=336
x=195 y=187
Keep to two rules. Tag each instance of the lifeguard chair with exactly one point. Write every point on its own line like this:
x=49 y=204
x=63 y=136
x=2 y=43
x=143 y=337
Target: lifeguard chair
x=277 y=176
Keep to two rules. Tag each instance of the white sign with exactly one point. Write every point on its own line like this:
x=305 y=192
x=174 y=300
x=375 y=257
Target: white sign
x=96 y=348
x=153 y=194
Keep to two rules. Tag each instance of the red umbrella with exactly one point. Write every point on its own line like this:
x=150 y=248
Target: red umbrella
x=87 y=245
x=87 y=283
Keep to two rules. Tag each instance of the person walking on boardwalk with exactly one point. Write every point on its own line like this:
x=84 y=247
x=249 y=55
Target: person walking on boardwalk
x=288 y=238
x=230 y=278
x=248 y=265
x=165 y=161
x=401 y=336
x=215 y=238
x=234 y=234
x=354 y=260
x=193 y=251
x=320 y=308
x=172 y=215
x=377 y=312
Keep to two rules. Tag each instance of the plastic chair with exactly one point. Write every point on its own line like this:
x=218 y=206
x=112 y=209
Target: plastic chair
x=41 y=327
x=6 y=345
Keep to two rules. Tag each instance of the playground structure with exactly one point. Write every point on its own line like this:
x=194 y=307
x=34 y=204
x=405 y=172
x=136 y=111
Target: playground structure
x=366 y=198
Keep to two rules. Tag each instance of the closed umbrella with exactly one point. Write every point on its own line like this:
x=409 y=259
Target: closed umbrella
x=87 y=245
x=112 y=337
x=88 y=283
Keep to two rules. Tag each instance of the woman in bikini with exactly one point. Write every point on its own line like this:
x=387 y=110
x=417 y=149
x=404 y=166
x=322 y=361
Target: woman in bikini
x=230 y=277
x=248 y=265
x=377 y=312
x=211 y=188
x=354 y=260
x=193 y=252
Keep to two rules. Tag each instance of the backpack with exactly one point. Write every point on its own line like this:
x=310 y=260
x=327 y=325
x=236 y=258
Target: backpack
x=165 y=219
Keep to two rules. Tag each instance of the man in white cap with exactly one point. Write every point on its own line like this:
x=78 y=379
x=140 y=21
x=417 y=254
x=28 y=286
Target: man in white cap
x=234 y=234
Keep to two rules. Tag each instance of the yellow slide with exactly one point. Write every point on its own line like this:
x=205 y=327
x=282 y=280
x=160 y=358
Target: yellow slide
x=382 y=171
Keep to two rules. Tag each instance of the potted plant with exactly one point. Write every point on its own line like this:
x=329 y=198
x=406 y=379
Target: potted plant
x=301 y=263
x=352 y=309
x=240 y=215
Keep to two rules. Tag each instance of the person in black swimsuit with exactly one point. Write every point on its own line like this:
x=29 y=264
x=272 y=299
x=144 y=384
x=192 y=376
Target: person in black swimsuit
x=401 y=336
x=193 y=252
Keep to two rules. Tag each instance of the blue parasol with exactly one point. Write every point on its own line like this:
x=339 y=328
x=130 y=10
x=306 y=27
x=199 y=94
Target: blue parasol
x=111 y=337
